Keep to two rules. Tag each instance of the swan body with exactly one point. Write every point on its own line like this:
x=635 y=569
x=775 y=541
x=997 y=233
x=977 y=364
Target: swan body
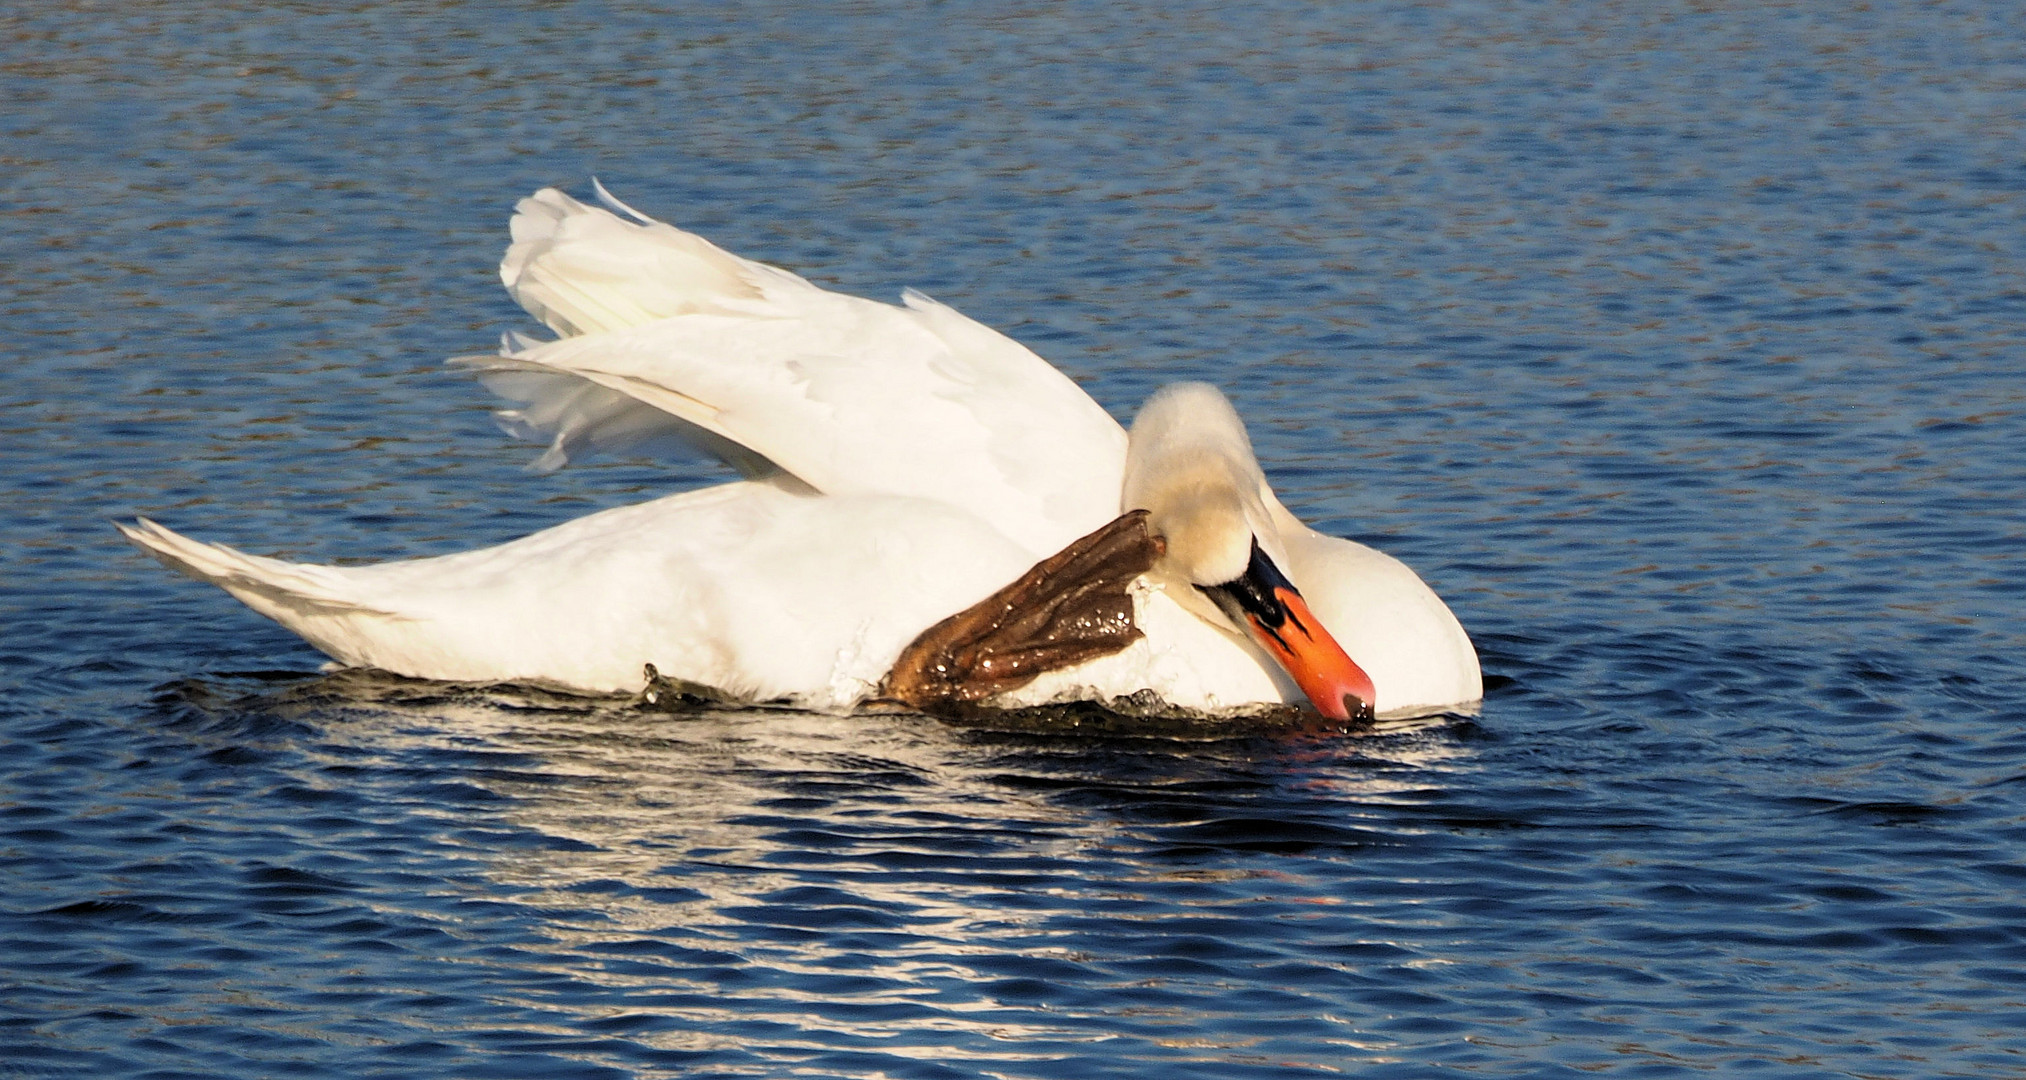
x=902 y=463
x=720 y=587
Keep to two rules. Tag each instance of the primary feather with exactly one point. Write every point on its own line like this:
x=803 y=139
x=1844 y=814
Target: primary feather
x=847 y=395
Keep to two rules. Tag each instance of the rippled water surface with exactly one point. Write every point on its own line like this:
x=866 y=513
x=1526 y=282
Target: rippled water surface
x=1680 y=346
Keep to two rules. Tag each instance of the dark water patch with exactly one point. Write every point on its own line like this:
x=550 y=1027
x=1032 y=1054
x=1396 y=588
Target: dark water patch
x=104 y=911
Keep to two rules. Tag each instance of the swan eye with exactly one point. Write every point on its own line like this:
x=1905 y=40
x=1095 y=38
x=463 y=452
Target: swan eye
x=1255 y=595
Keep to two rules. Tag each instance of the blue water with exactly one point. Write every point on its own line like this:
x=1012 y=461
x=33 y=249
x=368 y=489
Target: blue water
x=1680 y=346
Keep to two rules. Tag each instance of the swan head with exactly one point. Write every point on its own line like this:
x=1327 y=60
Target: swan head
x=1190 y=465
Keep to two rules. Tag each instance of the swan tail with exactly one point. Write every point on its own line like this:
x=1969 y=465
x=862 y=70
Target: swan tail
x=283 y=591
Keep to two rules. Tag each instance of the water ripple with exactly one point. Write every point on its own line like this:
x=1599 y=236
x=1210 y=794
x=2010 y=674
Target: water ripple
x=1675 y=345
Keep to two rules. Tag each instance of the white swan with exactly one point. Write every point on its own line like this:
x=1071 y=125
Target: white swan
x=902 y=463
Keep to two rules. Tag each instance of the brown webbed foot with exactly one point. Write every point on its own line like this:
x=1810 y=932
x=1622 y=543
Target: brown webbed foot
x=1071 y=607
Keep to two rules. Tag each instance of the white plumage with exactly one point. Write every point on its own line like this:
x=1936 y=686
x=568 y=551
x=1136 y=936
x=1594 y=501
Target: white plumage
x=902 y=463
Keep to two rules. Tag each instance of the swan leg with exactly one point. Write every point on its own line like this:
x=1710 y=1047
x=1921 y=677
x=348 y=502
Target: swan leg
x=1070 y=608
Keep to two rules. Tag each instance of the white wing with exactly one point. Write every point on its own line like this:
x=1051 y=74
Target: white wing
x=849 y=396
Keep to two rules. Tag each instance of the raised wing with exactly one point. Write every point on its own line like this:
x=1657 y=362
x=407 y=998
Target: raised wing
x=847 y=395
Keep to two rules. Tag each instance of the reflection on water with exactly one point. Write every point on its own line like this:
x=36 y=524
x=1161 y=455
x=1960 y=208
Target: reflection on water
x=607 y=780
x=612 y=884
x=942 y=880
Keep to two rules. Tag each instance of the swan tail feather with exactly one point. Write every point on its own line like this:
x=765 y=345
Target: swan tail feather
x=272 y=587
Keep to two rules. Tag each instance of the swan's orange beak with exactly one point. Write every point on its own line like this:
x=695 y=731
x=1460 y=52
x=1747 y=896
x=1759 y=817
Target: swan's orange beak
x=1264 y=602
x=1336 y=684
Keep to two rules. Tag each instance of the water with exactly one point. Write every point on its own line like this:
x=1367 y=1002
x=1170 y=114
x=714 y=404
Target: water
x=1677 y=345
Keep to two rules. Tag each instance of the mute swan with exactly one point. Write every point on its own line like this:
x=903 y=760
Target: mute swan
x=901 y=464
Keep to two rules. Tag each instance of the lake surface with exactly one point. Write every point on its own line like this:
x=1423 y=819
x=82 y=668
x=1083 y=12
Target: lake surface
x=1679 y=346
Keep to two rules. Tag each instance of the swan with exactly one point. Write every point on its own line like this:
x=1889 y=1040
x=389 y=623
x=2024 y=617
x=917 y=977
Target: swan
x=900 y=464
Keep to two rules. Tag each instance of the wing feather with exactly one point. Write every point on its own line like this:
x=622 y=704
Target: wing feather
x=848 y=395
